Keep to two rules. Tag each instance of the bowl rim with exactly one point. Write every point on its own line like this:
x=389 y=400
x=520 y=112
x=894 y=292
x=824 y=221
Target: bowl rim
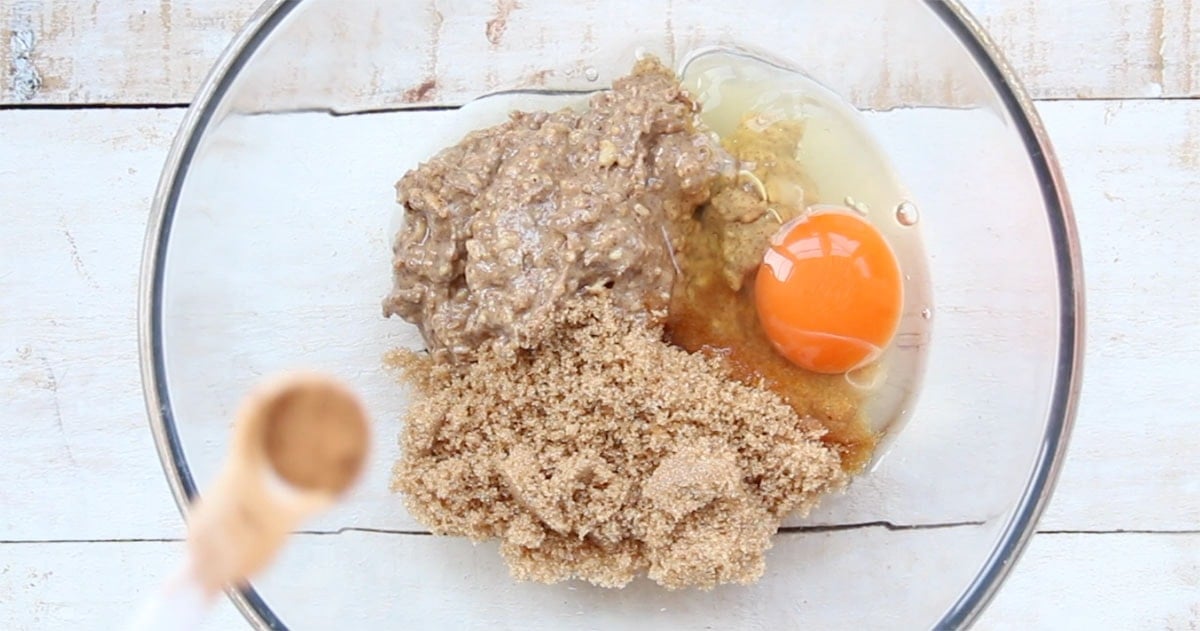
x=1017 y=103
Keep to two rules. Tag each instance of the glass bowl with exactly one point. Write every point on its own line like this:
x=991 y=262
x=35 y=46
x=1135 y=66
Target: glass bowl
x=269 y=248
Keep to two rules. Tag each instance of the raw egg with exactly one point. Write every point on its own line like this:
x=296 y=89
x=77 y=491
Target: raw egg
x=829 y=291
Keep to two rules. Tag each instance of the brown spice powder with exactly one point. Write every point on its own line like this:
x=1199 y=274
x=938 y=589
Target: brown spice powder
x=608 y=452
x=315 y=436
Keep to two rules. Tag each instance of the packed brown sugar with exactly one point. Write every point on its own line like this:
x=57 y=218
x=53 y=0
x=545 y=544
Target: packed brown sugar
x=606 y=453
x=596 y=394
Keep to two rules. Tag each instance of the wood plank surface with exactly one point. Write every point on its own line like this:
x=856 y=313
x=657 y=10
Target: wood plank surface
x=87 y=526
x=1131 y=169
x=63 y=51
x=75 y=442
x=1133 y=582
x=71 y=372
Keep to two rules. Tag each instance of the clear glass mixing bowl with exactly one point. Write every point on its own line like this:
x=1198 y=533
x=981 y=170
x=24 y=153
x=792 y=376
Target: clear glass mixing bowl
x=269 y=248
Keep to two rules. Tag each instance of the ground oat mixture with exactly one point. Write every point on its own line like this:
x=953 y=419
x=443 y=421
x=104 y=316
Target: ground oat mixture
x=538 y=259
x=503 y=226
x=606 y=453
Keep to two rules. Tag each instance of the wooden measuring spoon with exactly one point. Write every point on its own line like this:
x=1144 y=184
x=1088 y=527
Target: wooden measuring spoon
x=299 y=442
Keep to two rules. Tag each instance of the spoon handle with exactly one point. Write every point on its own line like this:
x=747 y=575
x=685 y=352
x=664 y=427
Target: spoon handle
x=180 y=604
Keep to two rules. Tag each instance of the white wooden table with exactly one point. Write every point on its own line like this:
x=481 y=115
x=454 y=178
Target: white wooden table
x=91 y=94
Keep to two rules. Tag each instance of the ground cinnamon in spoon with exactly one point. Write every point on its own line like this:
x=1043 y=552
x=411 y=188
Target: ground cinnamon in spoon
x=315 y=438
x=607 y=452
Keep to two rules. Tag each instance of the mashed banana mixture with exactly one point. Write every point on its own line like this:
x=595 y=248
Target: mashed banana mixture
x=500 y=229
x=538 y=258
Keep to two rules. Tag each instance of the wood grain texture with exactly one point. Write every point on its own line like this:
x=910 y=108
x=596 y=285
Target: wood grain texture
x=74 y=442
x=1089 y=581
x=1131 y=170
x=112 y=51
x=97 y=585
x=1066 y=581
x=63 y=51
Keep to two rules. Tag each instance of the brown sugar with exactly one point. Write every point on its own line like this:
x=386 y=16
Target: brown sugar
x=608 y=452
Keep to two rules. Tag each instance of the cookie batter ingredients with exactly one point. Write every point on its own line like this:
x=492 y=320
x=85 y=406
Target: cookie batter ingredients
x=598 y=392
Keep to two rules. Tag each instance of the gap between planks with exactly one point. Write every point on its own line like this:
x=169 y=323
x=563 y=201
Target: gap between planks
x=784 y=531
x=42 y=107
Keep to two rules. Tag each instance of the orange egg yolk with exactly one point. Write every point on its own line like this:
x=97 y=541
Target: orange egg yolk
x=829 y=292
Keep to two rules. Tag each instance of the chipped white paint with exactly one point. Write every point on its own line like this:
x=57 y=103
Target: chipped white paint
x=24 y=80
x=77 y=463
x=1063 y=49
